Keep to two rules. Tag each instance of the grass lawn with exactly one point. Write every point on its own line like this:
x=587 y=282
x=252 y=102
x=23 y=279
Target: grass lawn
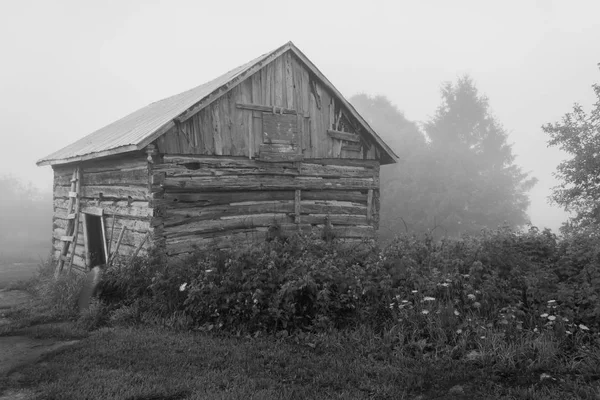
x=151 y=363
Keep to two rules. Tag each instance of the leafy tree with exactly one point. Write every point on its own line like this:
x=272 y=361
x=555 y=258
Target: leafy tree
x=578 y=134
x=402 y=194
x=475 y=182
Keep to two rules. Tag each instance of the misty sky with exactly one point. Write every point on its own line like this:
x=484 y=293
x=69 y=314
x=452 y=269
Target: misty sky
x=70 y=67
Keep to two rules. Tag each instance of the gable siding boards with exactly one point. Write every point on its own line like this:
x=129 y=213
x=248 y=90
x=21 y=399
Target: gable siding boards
x=222 y=128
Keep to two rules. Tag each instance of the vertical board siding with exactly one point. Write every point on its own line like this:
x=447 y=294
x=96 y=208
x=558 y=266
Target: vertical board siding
x=224 y=129
x=228 y=201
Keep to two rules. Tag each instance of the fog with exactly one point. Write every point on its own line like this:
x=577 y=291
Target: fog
x=71 y=67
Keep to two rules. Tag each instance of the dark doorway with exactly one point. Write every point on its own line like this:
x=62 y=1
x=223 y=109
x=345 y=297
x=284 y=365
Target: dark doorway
x=95 y=240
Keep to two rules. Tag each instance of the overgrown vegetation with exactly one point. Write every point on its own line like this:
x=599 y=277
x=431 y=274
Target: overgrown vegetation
x=523 y=307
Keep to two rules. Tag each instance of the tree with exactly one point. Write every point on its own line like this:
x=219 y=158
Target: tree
x=578 y=134
x=402 y=193
x=475 y=182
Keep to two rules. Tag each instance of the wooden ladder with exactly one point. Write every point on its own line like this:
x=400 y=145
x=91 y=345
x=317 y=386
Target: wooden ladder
x=72 y=224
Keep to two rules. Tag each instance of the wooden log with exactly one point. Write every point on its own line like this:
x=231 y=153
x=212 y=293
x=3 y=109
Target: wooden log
x=343 y=162
x=332 y=207
x=115 y=163
x=233 y=239
x=108 y=192
x=135 y=209
x=137 y=176
x=181 y=200
x=226 y=224
x=339 y=195
x=183 y=185
x=335 y=219
x=202 y=161
x=185 y=215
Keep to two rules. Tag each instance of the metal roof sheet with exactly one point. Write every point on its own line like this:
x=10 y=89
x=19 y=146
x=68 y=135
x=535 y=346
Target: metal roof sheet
x=133 y=131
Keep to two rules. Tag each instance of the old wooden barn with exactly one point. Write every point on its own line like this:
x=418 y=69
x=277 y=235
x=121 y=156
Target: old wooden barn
x=270 y=143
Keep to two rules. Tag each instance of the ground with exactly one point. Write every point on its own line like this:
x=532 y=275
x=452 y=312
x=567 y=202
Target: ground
x=16 y=351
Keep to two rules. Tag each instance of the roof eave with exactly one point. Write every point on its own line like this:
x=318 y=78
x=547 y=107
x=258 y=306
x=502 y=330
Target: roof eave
x=89 y=156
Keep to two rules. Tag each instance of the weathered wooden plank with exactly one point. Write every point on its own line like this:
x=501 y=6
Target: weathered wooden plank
x=335 y=219
x=138 y=225
x=347 y=136
x=216 y=129
x=112 y=192
x=117 y=163
x=137 y=176
x=131 y=238
x=226 y=224
x=180 y=200
x=200 y=161
x=339 y=195
x=280 y=127
x=121 y=208
x=234 y=239
x=184 y=215
x=97 y=211
x=252 y=183
x=278 y=84
x=265 y=108
x=332 y=207
x=345 y=162
x=352 y=147
x=289 y=80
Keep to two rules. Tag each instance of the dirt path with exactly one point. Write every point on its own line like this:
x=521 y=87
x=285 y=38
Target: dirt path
x=16 y=351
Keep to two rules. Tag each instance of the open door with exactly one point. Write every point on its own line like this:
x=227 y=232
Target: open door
x=94 y=235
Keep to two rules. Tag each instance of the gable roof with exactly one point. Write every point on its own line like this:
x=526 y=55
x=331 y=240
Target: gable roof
x=138 y=129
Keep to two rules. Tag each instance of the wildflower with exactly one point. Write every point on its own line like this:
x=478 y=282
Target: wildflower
x=477 y=292
x=414 y=291
x=535 y=329
x=471 y=296
x=477 y=304
x=405 y=301
x=544 y=315
x=551 y=302
x=182 y=287
x=208 y=271
x=445 y=284
x=583 y=327
x=482 y=337
x=459 y=331
x=568 y=332
x=428 y=298
x=456 y=313
x=391 y=306
x=551 y=317
x=425 y=312
x=466 y=275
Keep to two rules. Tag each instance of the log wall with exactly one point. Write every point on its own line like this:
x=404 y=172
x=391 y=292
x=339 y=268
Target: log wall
x=234 y=124
x=221 y=202
x=118 y=185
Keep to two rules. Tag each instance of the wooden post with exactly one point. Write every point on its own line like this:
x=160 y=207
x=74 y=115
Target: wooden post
x=370 y=205
x=297 y=199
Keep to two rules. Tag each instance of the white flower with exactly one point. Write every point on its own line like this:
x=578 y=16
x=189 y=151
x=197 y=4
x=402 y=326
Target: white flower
x=551 y=317
x=482 y=337
x=391 y=306
x=583 y=327
x=535 y=329
x=568 y=332
x=405 y=301
x=445 y=284
x=182 y=287
x=428 y=298
x=459 y=331
x=425 y=312
x=414 y=291
x=471 y=296
x=208 y=271
x=456 y=313
x=477 y=304
x=551 y=301
x=544 y=315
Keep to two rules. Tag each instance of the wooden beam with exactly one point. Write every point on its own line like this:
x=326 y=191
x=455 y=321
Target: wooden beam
x=263 y=108
x=347 y=136
x=66 y=238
